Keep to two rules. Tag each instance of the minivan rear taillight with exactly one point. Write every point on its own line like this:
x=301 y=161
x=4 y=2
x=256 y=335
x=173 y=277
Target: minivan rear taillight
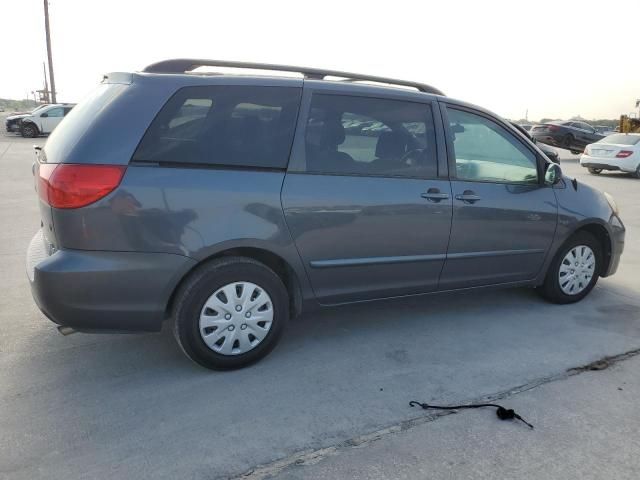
x=64 y=185
x=624 y=154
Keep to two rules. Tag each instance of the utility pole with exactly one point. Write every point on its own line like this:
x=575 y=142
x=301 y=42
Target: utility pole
x=46 y=86
x=46 y=27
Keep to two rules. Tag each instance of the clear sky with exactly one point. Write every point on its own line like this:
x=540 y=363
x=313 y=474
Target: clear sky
x=555 y=58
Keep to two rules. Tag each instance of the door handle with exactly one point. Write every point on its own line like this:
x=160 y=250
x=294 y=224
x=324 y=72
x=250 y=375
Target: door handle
x=469 y=196
x=434 y=195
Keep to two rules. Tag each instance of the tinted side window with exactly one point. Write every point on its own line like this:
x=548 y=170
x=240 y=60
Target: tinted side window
x=487 y=152
x=224 y=125
x=370 y=136
x=55 y=112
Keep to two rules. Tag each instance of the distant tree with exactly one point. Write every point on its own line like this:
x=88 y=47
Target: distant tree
x=600 y=122
x=605 y=122
x=17 y=105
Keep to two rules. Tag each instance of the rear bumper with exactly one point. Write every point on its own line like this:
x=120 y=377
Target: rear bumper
x=547 y=139
x=628 y=165
x=116 y=291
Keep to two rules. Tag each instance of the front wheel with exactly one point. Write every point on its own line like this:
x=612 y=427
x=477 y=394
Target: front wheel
x=230 y=313
x=595 y=171
x=574 y=271
x=29 y=131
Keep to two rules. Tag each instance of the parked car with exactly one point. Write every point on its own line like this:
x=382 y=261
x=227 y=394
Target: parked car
x=12 y=122
x=43 y=120
x=550 y=152
x=617 y=152
x=604 y=129
x=572 y=135
x=263 y=207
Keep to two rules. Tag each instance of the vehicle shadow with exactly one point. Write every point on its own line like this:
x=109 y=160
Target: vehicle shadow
x=101 y=356
x=621 y=175
x=337 y=373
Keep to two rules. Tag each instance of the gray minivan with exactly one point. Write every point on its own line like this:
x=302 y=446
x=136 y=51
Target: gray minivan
x=228 y=204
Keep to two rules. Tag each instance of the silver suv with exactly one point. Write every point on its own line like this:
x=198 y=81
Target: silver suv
x=228 y=204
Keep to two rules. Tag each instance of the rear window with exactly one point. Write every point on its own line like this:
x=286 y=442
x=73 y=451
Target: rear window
x=621 y=139
x=224 y=125
x=78 y=120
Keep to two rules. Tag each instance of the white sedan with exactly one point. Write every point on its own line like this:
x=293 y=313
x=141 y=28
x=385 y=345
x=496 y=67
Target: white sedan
x=43 y=120
x=620 y=151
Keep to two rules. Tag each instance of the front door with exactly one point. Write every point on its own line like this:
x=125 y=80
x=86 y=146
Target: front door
x=364 y=199
x=50 y=119
x=504 y=217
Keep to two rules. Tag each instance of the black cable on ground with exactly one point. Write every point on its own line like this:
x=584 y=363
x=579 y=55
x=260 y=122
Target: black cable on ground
x=501 y=412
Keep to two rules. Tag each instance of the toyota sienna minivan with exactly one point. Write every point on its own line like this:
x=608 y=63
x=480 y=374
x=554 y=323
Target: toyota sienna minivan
x=227 y=204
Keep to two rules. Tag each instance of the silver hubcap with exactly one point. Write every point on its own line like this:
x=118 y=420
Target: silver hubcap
x=236 y=318
x=577 y=269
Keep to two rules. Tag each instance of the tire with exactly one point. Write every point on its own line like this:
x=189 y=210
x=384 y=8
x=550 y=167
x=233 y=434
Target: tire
x=241 y=275
x=552 y=289
x=567 y=140
x=636 y=174
x=28 y=130
x=595 y=171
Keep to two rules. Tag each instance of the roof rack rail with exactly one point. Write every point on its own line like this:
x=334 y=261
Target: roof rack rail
x=182 y=65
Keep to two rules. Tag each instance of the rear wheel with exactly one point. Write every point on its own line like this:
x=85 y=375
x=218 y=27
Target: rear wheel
x=636 y=174
x=595 y=171
x=230 y=313
x=567 y=141
x=29 y=130
x=574 y=271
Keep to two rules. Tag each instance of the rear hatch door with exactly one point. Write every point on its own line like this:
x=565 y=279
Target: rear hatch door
x=59 y=145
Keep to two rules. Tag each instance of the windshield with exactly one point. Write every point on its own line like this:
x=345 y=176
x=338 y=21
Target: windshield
x=621 y=139
x=39 y=107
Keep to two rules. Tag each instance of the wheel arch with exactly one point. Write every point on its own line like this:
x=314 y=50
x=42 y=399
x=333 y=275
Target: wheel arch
x=28 y=121
x=603 y=237
x=275 y=262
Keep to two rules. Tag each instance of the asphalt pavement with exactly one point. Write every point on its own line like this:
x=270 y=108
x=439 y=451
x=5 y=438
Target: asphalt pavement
x=332 y=400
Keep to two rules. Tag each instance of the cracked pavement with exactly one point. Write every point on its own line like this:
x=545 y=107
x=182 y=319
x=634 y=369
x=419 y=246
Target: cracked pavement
x=131 y=406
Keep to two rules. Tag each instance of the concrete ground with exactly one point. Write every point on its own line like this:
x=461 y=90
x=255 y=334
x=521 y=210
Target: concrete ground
x=332 y=400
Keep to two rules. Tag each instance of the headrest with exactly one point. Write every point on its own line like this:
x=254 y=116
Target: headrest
x=391 y=145
x=332 y=133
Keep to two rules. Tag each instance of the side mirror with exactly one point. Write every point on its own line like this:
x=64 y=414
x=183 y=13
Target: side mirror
x=44 y=115
x=553 y=174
